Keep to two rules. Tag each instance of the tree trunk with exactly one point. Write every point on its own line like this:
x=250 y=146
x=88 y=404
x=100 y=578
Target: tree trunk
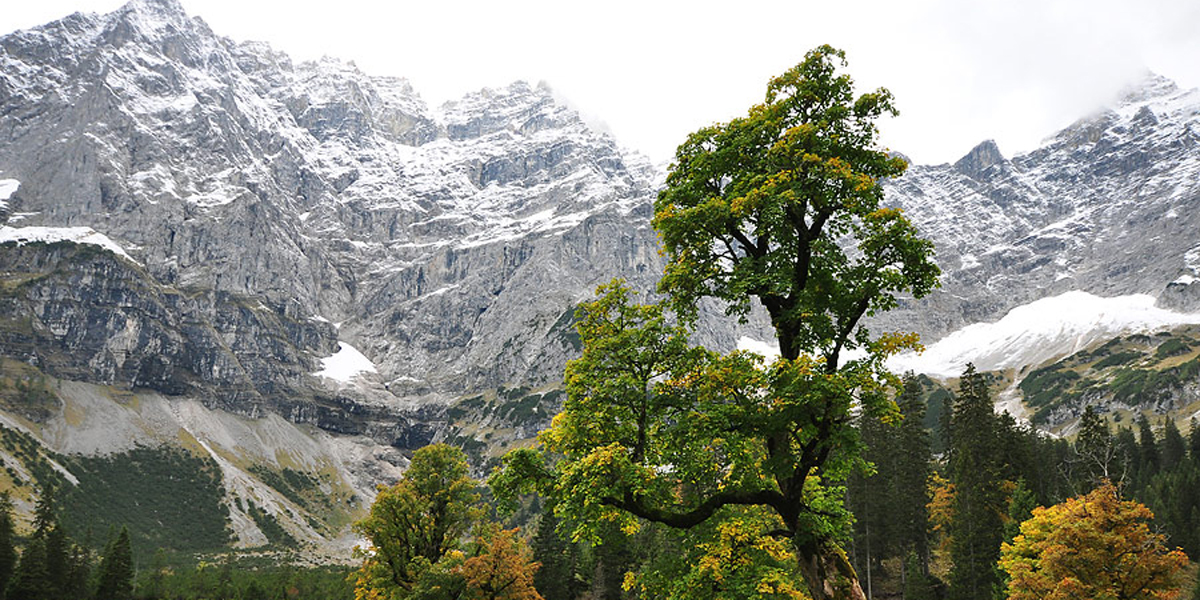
x=827 y=572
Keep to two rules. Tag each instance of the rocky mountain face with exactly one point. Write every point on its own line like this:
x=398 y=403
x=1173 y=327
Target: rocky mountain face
x=450 y=245
x=194 y=222
x=1107 y=206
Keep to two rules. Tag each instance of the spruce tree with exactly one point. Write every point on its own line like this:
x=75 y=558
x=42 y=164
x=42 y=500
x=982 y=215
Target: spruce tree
x=1149 y=458
x=29 y=580
x=1194 y=440
x=1128 y=454
x=553 y=579
x=911 y=481
x=115 y=581
x=976 y=529
x=1174 y=449
x=1094 y=451
x=870 y=497
x=8 y=549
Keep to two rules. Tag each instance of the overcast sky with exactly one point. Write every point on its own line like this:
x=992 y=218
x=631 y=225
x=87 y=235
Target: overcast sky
x=653 y=71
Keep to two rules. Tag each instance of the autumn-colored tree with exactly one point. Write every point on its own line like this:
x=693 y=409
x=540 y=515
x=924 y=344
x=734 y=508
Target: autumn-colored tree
x=1095 y=546
x=941 y=510
x=503 y=569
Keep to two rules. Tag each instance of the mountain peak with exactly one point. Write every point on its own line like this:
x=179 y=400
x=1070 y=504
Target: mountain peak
x=1148 y=87
x=986 y=154
x=152 y=16
x=157 y=7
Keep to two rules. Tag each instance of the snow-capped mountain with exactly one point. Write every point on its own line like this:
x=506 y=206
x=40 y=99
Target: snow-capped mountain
x=446 y=242
x=1107 y=206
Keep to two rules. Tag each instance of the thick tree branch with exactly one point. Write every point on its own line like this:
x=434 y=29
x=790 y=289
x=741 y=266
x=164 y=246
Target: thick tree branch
x=690 y=518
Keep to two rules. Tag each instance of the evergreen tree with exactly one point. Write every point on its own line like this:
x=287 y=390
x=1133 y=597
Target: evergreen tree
x=29 y=580
x=1174 y=449
x=1149 y=459
x=58 y=562
x=1194 y=440
x=1095 y=451
x=977 y=529
x=554 y=579
x=8 y=550
x=116 y=570
x=1128 y=453
x=870 y=497
x=913 y=467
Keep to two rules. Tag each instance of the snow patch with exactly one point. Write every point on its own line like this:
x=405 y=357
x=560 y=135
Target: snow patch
x=346 y=364
x=1039 y=331
x=49 y=235
x=8 y=187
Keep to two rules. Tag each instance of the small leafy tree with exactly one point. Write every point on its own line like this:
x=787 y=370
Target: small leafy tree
x=416 y=522
x=782 y=206
x=503 y=568
x=1094 y=546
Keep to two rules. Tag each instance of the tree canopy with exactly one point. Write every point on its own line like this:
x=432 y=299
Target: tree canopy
x=783 y=206
x=1093 y=546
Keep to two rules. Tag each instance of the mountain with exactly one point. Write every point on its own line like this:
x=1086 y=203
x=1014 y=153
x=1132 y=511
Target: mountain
x=1106 y=206
x=293 y=274
x=196 y=222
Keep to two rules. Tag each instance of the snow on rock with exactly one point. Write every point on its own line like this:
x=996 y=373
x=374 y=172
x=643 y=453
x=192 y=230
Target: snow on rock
x=49 y=235
x=8 y=187
x=345 y=364
x=1039 y=331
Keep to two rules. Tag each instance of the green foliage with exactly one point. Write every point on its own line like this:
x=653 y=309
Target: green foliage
x=559 y=559
x=757 y=208
x=242 y=579
x=297 y=486
x=167 y=497
x=1043 y=386
x=8 y=535
x=416 y=522
x=1118 y=359
x=115 y=577
x=269 y=525
x=52 y=566
x=978 y=469
x=781 y=206
x=1172 y=347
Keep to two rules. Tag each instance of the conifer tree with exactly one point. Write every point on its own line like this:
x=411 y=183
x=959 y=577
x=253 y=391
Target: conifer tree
x=116 y=569
x=1194 y=440
x=8 y=550
x=1174 y=449
x=979 y=501
x=1095 y=451
x=553 y=580
x=1148 y=455
x=29 y=580
x=913 y=468
x=1129 y=454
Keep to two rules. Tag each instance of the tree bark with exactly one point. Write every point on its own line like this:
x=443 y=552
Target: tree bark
x=827 y=572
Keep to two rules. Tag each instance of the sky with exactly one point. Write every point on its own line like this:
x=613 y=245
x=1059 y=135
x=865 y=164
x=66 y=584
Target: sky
x=652 y=71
